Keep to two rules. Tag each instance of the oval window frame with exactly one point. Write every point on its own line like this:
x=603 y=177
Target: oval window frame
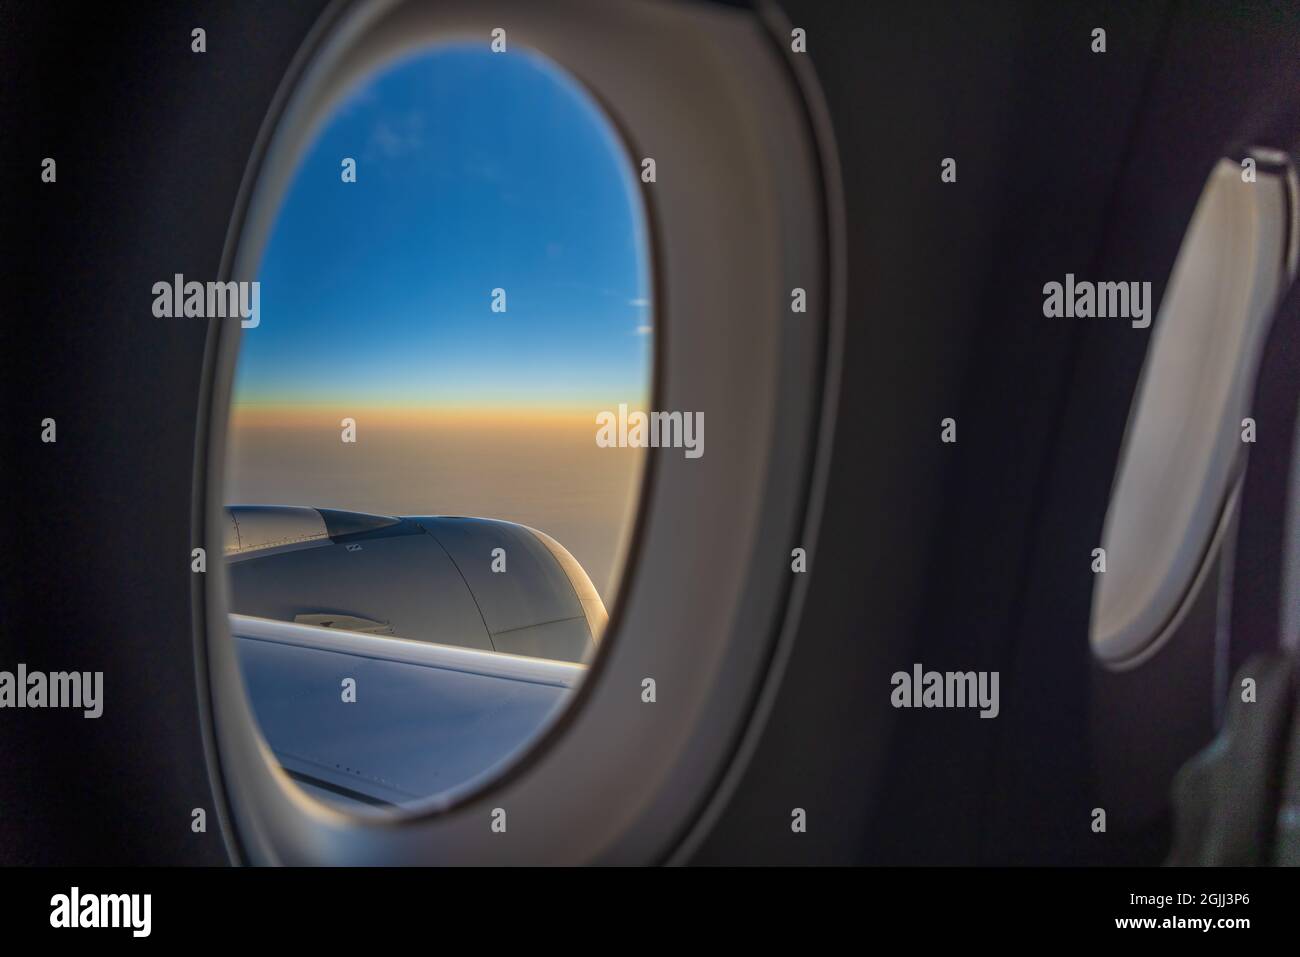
x=1134 y=616
x=738 y=513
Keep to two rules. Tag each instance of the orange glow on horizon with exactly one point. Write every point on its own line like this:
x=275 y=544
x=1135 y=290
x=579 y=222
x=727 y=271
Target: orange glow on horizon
x=328 y=416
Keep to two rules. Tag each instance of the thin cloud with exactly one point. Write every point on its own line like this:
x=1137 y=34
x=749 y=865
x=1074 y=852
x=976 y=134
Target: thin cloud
x=394 y=137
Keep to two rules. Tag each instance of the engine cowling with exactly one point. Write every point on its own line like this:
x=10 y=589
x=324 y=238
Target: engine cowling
x=473 y=582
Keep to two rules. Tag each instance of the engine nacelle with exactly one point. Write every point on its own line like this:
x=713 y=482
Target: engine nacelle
x=473 y=582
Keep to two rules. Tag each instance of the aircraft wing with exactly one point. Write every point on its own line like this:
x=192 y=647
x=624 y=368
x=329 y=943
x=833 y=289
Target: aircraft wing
x=426 y=717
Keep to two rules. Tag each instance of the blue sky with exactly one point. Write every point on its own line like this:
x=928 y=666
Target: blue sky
x=475 y=170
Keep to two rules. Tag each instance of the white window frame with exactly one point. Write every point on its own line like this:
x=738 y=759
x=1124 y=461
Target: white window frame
x=746 y=207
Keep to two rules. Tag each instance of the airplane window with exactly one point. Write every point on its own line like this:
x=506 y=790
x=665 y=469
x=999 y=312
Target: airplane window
x=423 y=534
x=1189 y=428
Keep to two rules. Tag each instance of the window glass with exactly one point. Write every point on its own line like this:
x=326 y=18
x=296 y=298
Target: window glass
x=424 y=535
